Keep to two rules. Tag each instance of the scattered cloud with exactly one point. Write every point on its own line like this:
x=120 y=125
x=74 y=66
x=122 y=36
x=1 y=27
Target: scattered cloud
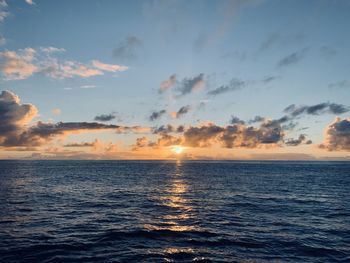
x=3 y=10
x=256 y=119
x=182 y=111
x=235 y=84
x=51 y=50
x=296 y=142
x=292 y=58
x=108 y=67
x=128 y=48
x=18 y=65
x=167 y=84
x=236 y=120
x=269 y=79
x=189 y=85
x=105 y=117
x=337 y=135
x=317 y=109
x=25 y=62
x=156 y=115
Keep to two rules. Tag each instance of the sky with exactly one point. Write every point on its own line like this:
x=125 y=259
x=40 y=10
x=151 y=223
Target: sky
x=233 y=79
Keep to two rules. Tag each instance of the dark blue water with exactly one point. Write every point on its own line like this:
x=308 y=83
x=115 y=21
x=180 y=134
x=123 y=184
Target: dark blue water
x=128 y=211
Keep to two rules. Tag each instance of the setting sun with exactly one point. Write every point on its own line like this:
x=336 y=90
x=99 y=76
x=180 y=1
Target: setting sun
x=177 y=149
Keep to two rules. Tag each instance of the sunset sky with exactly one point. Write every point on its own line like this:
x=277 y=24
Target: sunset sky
x=174 y=79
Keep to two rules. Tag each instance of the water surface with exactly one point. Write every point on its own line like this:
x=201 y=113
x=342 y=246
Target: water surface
x=157 y=211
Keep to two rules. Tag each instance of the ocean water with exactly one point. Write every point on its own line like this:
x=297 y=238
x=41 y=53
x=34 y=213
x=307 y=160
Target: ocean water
x=176 y=211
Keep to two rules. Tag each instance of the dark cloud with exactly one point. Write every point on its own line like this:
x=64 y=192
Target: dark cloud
x=292 y=58
x=256 y=119
x=128 y=48
x=105 y=117
x=156 y=115
x=182 y=111
x=317 y=109
x=14 y=116
x=337 y=136
x=269 y=79
x=296 y=142
x=188 y=85
x=236 y=120
x=235 y=84
x=168 y=129
x=81 y=144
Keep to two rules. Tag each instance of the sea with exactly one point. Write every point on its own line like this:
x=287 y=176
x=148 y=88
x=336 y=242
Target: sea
x=174 y=211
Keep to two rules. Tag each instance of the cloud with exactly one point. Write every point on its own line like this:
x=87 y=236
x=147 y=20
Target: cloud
x=292 y=58
x=25 y=62
x=81 y=144
x=30 y=2
x=237 y=135
x=317 y=109
x=3 y=10
x=269 y=79
x=296 y=142
x=235 y=84
x=14 y=116
x=236 y=120
x=18 y=65
x=140 y=143
x=182 y=111
x=167 y=129
x=156 y=115
x=337 y=135
x=128 y=48
x=68 y=69
x=16 y=130
x=167 y=84
x=105 y=117
x=189 y=85
x=343 y=84
x=256 y=119
x=51 y=50
x=108 y=67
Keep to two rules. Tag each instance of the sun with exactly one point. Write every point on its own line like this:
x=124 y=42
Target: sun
x=177 y=149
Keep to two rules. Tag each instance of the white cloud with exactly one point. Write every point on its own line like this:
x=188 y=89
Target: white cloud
x=22 y=64
x=108 y=67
